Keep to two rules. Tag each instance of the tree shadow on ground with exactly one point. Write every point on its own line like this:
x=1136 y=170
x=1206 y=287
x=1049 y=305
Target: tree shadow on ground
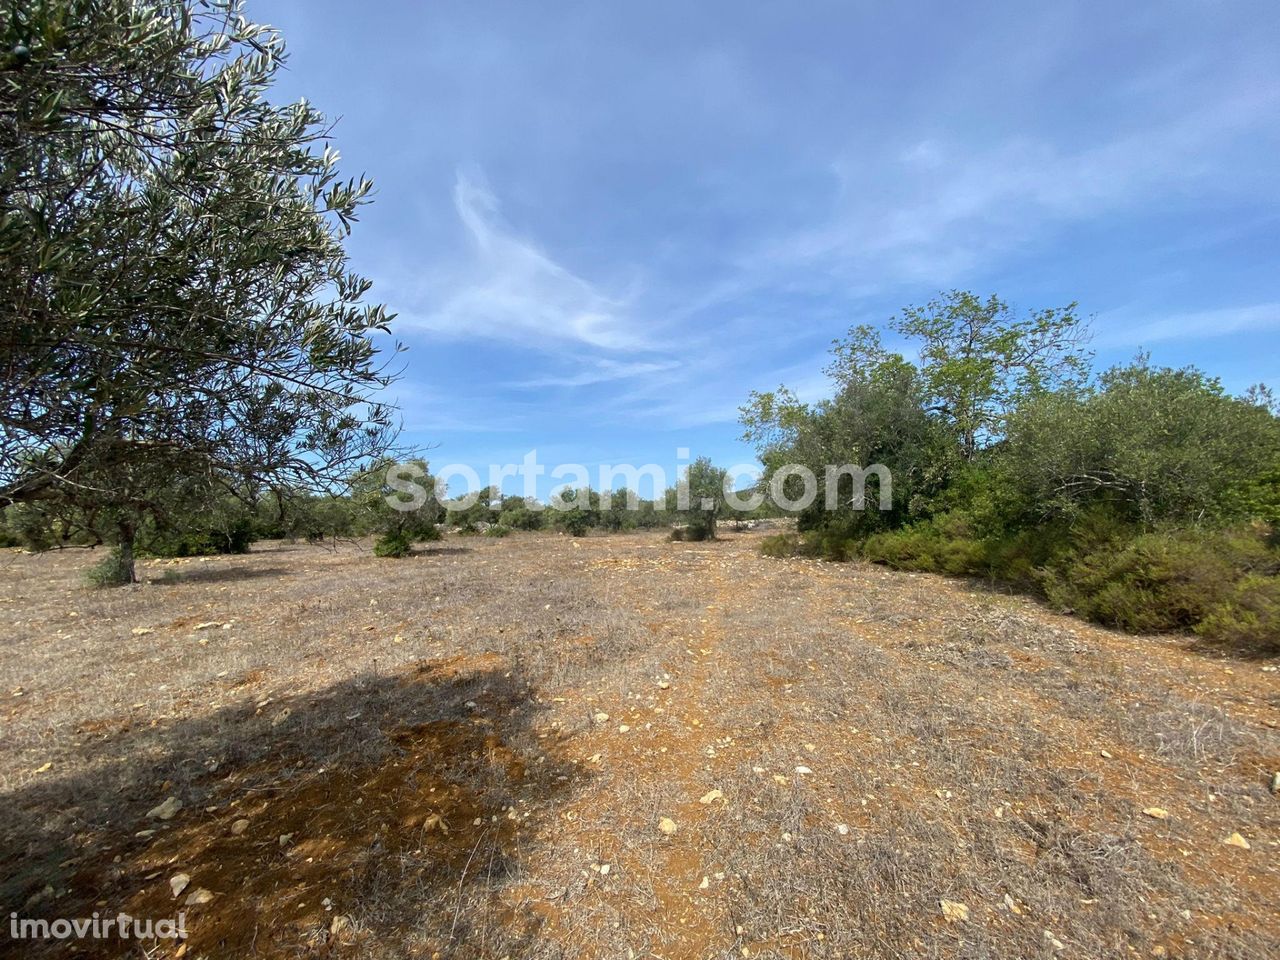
x=173 y=577
x=376 y=817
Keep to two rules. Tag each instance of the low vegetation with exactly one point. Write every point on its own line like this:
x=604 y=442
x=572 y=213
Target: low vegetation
x=1145 y=498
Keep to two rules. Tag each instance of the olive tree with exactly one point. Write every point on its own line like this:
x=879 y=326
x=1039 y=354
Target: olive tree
x=704 y=485
x=175 y=299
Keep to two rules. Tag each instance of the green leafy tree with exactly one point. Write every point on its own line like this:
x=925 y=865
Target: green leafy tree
x=1156 y=443
x=979 y=359
x=175 y=296
x=578 y=513
x=705 y=486
x=398 y=501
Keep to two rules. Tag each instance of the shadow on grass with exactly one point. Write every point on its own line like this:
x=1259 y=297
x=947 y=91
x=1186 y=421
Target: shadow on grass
x=368 y=819
x=173 y=577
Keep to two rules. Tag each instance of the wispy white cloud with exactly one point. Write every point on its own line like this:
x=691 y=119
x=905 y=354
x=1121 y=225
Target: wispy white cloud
x=512 y=290
x=1120 y=329
x=937 y=209
x=601 y=370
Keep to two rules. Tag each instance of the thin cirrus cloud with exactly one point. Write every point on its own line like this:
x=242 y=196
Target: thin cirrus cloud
x=601 y=370
x=935 y=211
x=511 y=290
x=1119 y=330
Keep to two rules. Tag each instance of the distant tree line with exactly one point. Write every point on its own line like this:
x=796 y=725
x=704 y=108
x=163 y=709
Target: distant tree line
x=196 y=525
x=1141 y=497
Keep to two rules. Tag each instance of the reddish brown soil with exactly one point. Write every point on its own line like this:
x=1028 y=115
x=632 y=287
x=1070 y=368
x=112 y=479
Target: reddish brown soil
x=421 y=752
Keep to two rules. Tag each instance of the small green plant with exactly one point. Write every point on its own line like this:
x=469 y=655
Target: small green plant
x=393 y=545
x=113 y=570
x=498 y=530
x=782 y=545
x=575 y=522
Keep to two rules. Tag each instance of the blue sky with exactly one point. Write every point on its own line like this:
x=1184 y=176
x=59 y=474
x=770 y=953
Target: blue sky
x=603 y=224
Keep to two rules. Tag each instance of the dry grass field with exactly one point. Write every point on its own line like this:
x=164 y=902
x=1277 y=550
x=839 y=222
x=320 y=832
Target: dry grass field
x=621 y=747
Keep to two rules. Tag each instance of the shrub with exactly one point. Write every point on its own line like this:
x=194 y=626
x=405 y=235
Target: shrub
x=113 y=570
x=498 y=530
x=698 y=530
x=234 y=537
x=393 y=545
x=782 y=545
x=1249 y=618
x=1167 y=580
x=575 y=522
x=942 y=545
x=520 y=518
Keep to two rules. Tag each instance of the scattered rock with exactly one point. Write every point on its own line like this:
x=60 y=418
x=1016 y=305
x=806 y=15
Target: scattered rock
x=178 y=882
x=954 y=911
x=141 y=631
x=1235 y=840
x=1156 y=813
x=198 y=896
x=239 y=826
x=207 y=625
x=803 y=771
x=601 y=717
x=338 y=924
x=166 y=810
x=711 y=796
x=435 y=822
x=1054 y=941
x=667 y=826
x=285 y=839
x=1012 y=904
x=842 y=829
x=623 y=728
x=1275 y=782
x=281 y=717
x=706 y=882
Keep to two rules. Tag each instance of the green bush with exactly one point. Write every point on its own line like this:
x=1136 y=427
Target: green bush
x=943 y=545
x=1248 y=619
x=520 y=518
x=113 y=570
x=781 y=545
x=575 y=522
x=393 y=545
x=1167 y=580
x=234 y=537
x=498 y=530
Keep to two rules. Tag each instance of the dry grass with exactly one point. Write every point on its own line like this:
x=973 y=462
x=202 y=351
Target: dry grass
x=428 y=735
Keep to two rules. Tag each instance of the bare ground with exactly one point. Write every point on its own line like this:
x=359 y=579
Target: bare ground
x=469 y=753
